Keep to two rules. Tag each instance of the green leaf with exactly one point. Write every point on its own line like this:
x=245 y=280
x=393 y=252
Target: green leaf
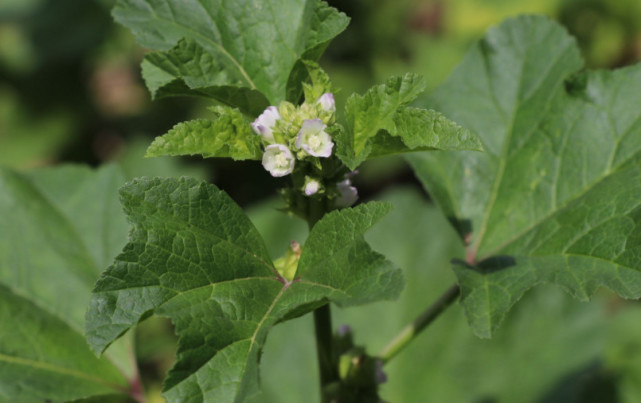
x=548 y=336
x=60 y=226
x=556 y=196
x=211 y=59
x=380 y=123
x=195 y=257
x=190 y=70
x=229 y=135
x=421 y=129
x=320 y=82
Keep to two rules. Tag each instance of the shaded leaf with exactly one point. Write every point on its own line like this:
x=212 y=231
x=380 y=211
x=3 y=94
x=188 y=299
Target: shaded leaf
x=228 y=135
x=188 y=69
x=59 y=227
x=195 y=257
x=211 y=58
x=556 y=196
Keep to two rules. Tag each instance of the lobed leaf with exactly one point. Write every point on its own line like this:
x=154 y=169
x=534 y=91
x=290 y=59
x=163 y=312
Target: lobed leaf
x=46 y=271
x=238 y=52
x=557 y=195
x=195 y=257
x=380 y=123
x=229 y=135
x=545 y=344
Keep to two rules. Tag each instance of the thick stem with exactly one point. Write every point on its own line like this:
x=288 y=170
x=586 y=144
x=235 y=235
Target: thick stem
x=413 y=329
x=323 y=328
x=327 y=369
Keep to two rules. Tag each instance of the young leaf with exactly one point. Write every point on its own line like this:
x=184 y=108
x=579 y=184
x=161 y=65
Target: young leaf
x=381 y=123
x=59 y=227
x=556 y=196
x=195 y=257
x=229 y=135
x=320 y=82
x=211 y=59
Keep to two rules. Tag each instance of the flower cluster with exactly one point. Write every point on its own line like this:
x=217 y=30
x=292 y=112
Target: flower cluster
x=296 y=137
x=290 y=133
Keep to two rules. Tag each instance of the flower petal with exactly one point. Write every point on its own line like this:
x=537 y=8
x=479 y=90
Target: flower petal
x=326 y=102
x=278 y=160
x=264 y=124
x=313 y=139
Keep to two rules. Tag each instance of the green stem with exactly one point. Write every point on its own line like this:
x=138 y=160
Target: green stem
x=326 y=367
x=413 y=329
x=316 y=209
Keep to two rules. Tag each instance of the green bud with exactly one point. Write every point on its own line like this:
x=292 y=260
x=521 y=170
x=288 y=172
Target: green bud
x=288 y=264
x=287 y=111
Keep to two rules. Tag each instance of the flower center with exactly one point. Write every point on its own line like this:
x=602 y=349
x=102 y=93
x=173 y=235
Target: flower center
x=314 y=141
x=281 y=160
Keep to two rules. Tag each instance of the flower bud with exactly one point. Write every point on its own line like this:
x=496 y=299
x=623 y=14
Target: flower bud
x=326 y=102
x=312 y=186
x=264 y=124
x=313 y=139
x=278 y=160
x=348 y=194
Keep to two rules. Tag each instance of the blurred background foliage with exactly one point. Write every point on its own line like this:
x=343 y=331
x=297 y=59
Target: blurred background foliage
x=70 y=91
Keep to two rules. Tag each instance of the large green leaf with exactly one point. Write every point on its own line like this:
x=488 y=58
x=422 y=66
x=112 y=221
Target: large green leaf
x=239 y=52
x=528 y=357
x=381 y=123
x=556 y=196
x=60 y=227
x=195 y=257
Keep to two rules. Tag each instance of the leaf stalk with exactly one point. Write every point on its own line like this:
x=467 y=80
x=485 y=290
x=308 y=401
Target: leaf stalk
x=410 y=332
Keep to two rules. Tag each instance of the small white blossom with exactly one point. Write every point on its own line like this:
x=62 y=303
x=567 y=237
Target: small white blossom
x=264 y=124
x=348 y=193
x=312 y=186
x=313 y=139
x=278 y=160
x=326 y=102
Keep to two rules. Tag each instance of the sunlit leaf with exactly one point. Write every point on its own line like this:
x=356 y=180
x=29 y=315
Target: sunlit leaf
x=227 y=135
x=381 y=123
x=238 y=52
x=195 y=257
x=556 y=197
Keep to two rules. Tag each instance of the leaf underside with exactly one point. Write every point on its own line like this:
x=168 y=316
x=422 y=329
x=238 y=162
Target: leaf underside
x=195 y=257
x=238 y=52
x=556 y=196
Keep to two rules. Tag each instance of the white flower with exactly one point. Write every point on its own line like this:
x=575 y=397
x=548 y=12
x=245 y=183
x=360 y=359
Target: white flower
x=313 y=139
x=326 y=102
x=348 y=193
x=312 y=186
x=264 y=124
x=278 y=160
